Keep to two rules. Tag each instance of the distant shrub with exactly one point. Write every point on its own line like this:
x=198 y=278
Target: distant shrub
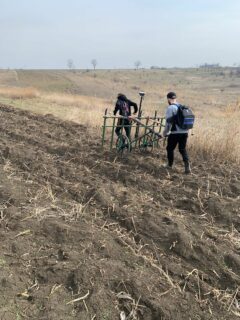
x=154 y=67
x=238 y=72
x=233 y=85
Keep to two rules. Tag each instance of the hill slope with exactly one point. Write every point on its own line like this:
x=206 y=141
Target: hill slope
x=87 y=235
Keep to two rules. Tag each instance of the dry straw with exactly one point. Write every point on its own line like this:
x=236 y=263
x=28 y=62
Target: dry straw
x=19 y=93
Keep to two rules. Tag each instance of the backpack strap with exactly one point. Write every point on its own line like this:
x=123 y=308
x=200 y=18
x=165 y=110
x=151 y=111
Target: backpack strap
x=174 y=117
x=176 y=104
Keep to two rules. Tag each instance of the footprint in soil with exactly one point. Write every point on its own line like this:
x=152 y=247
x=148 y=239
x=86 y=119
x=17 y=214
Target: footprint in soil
x=72 y=282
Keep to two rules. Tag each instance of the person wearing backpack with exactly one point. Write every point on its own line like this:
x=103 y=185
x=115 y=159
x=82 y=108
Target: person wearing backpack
x=179 y=119
x=123 y=106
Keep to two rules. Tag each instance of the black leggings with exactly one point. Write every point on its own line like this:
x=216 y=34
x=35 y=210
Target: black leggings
x=179 y=139
x=125 y=123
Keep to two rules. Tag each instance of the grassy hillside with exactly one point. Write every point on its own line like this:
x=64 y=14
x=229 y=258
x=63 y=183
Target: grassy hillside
x=82 y=96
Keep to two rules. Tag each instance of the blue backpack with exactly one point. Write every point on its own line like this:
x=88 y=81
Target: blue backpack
x=184 y=117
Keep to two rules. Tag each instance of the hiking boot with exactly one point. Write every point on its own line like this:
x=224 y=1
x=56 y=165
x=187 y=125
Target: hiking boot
x=187 y=168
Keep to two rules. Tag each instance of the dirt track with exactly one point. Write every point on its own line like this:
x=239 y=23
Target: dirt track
x=126 y=234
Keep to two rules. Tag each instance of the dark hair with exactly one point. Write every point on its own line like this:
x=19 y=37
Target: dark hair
x=171 y=95
x=121 y=96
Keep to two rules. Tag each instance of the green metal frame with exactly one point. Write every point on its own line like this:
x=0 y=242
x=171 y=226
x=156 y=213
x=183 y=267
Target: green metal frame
x=142 y=123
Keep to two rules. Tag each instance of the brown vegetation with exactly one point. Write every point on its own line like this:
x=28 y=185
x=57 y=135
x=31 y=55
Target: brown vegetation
x=86 y=234
x=19 y=93
x=217 y=135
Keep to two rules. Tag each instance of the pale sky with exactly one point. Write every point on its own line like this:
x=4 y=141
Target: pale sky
x=165 y=33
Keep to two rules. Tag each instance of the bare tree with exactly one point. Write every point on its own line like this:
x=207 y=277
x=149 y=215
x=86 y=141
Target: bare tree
x=137 y=64
x=94 y=63
x=70 y=64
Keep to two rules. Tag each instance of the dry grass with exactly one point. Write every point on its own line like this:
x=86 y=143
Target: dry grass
x=217 y=135
x=84 y=109
x=74 y=100
x=19 y=93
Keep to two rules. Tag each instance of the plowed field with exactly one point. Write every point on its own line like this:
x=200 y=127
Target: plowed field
x=85 y=234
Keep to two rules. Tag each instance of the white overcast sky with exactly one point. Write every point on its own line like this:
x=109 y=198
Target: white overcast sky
x=166 y=33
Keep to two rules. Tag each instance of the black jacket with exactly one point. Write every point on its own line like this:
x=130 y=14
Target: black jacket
x=119 y=104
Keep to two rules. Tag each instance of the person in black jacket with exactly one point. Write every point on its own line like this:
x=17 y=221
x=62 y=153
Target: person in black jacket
x=123 y=106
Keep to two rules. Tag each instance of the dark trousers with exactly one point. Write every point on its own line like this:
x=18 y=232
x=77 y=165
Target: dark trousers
x=179 y=139
x=125 y=123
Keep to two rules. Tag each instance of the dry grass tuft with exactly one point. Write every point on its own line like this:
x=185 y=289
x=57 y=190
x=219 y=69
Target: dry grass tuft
x=84 y=109
x=19 y=93
x=217 y=135
x=76 y=100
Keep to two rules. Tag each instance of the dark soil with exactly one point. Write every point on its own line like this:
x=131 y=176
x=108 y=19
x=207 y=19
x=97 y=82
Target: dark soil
x=118 y=235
